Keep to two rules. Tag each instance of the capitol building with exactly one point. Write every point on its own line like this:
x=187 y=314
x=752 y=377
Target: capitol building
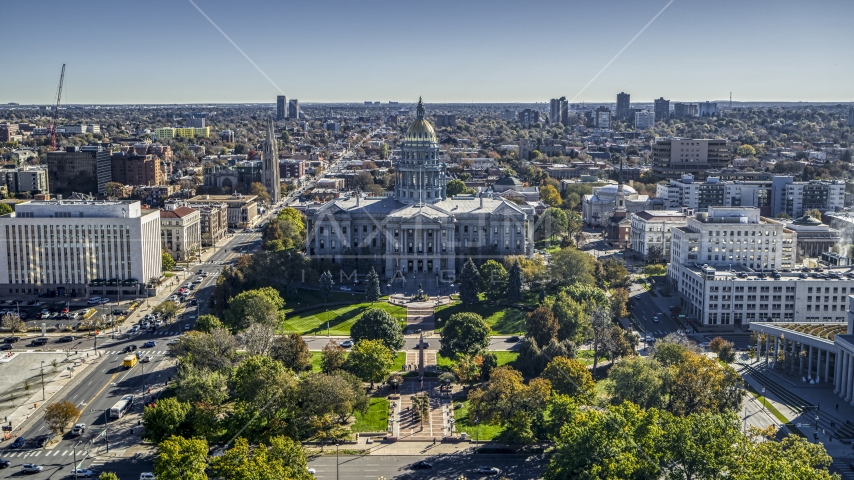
x=418 y=235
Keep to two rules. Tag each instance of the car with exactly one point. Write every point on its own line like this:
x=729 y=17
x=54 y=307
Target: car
x=104 y=300
x=66 y=338
x=186 y=327
x=704 y=345
x=194 y=302
x=179 y=269
x=147 y=476
x=129 y=348
x=158 y=323
x=91 y=301
x=198 y=280
x=346 y=343
x=172 y=342
x=78 y=429
x=82 y=473
x=118 y=312
x=422 y=344
x=31 y=468
x=311 y=471
x=345 y=288
x=201 y=271
x=512 y=339
x=146 y=359
x=5 y=346
x=44 y=440
x=149 y=344
x=11 y=339
x=422 y=464
x=18 y=443
x=488 y=470
x=655 y=319
x=134 y=329
x=4 y=463
x=39 y=341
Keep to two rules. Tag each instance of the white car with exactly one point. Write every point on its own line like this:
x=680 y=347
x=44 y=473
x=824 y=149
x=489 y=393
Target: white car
x=488 y=470
x=104 y=300
x=94 y=301
x=345 y=288
x=187 y=327
x=147 y=476
x=346 y=343
x=655 y=319
x=82 y=473
x=31 y=468
x=312 y=471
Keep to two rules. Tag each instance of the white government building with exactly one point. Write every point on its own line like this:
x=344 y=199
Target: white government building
x=68 y=246
x=418 y=235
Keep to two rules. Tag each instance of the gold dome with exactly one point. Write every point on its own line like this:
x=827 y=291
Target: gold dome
x=421 y=130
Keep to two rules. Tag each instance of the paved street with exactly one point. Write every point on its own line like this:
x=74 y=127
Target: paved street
x=444 y=466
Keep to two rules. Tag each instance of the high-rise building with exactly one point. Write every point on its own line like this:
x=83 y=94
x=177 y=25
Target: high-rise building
x=602 y=119
x=270 y=169
x=623 y=105
x=129 y=168
x=528 y=117
x=662 y=109
x=644 y=119
x=674 y=157
x=796 y=198
x=25 y=179
x=293 y=109
x=79 y=169
x=196 y=122
x=71 y=246
x=708 y=109
x=851 y=117
x=447 y=120
x=685 y=110
x=558 y=111
x=281 y=107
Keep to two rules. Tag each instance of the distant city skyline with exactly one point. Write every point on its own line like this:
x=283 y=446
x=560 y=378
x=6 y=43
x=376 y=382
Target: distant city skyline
x=471 y=52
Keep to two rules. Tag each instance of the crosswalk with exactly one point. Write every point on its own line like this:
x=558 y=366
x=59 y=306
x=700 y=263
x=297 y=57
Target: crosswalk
x=143 y=352
x=41 y=453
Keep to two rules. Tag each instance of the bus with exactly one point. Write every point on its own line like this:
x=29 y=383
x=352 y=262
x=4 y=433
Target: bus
x=121 y=407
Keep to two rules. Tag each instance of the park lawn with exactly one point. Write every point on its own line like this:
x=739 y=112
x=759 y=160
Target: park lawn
x=482 y=432
x=504 y=358
x=308 y=298
x=340 y=318
x=376 y=418
x=399 y=360
x=502 y=320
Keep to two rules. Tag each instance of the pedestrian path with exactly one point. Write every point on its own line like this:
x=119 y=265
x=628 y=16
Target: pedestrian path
x=844 y=468
x=142 y=352
x=41 y=453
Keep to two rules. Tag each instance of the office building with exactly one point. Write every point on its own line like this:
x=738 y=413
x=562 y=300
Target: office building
x=9 y=132
x=623 y=106
x=674 y=157
x=644 y=119
x=293 y=109
x=334 y=126
x=447 y=120
x=32 y=179
x=128 y=168
x=559 y=111
x=713 y=192
x=291 y=169
x=661 y=109
x=196 y=122
x=78 y=129
x=796 y=198
x=270 y=164
x=227 y=136
x=242 y=209
x=651 y=232
x=79 y=169
x=602 y=118
x=528 y=117
x=281 y=107
x=78 y=247
x=685 y=110
x=180 y=232
x=213 y=222
x=708 y=109
x=851 y=117
x=181 y=132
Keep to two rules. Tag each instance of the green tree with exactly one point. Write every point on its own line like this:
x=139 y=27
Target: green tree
x=541 y=325
x=165 y=418
x=284 y=458
x=194 y=385
x=327 y=401
x=259 y=381
x=292 y=351
x=114 y=189
x=5 y=209
x=507 y=401
x=793 y=457
x=207 y=323
x=326 y=283
x=570 y=377
x=493 y=280
x=469 y=283
x=746 y=150
x=167 y=310
x=554 y=224
x=613 y=274
x=370 y=360
x=57 y=415
x=215 y=351
x=619 y=303
x=639 y=380
x=570 y=265
x=457 y=187
x=332 y=357
x=167 y=262
x=377 y=324
x=573 y=317
x=514 y=284
x=372 y=286
x=181 y=459
x=550 y=196
x=108 y=476
x=699 y=384
x=464 y=333
x=262 y=306
x=259 y=190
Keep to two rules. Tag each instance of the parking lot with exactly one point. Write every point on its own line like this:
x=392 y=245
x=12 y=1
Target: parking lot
x=57 y=313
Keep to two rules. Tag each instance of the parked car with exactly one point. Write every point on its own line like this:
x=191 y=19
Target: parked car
x=179 y=269
x=187 y=327
x=147 y=476
x=422 y=344
x=11 y=339
x=104 y=300
x=422 y=464
x=149 y=344
x=194 y=302
x=92 y=301
x=5 y=346
x=31 y=468
x=79 y=429
x=4 y=463
x=82 y=473
x=345 y=288
x=66 y=338
x=18 y=443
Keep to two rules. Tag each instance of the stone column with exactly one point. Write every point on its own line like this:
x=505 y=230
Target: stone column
x=792 y=362
x=776 y=350
x=826 y=366
x=809 y=361
x=837 y=373
x=767 y=346
x=758 y=345
x=849 y=387
x=843 y=376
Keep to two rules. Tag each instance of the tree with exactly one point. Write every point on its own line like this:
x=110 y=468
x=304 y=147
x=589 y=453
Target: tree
x=457 y=187
x=370 y=360
x=653 y=254
x=792 y=457
x=14 y=323
x=530 y=359
x=377 y=324
x=600 y=322
x=372 y=286
x=541 y=325
x=570 y=377
x=57 y=415
x=167 y=262
x=292 y=351
x=746 y=151
x=726 y=353
x=716 y=343
x=570 y=265
x=469 y=283
x=332 y=397
x=506 y=400
x=207 y=323
x=550 y=196
x=332 y=357
x=464 y=333
x=699 y=384
x=213 y=351
x=262 y=306
x=573 y=317
x=165 y=418
x=5 y=209
x=493 y=280
x=326 y=283
x=181 y=459
x=108 y=476
x=194 y=385
x=284 y=458
x=814 y=213
x=259 y=190
x=639 y=380
x=554 y=224
x=167 y=310
x=514 y=284
x=114 y=189
x=613 y=274
x=259 y=381
x=619 y=302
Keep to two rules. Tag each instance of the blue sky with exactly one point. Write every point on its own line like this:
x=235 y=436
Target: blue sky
x=165 y=51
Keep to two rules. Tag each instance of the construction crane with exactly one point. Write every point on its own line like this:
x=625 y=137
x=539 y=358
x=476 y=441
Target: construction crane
x=56 y=110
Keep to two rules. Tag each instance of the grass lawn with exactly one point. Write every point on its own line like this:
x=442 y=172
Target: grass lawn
x=307 y=298
x=399 y=360
x=502 y=320
x=503 y=359
x=482 y=432
x=340 y=318
x=375 y=420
